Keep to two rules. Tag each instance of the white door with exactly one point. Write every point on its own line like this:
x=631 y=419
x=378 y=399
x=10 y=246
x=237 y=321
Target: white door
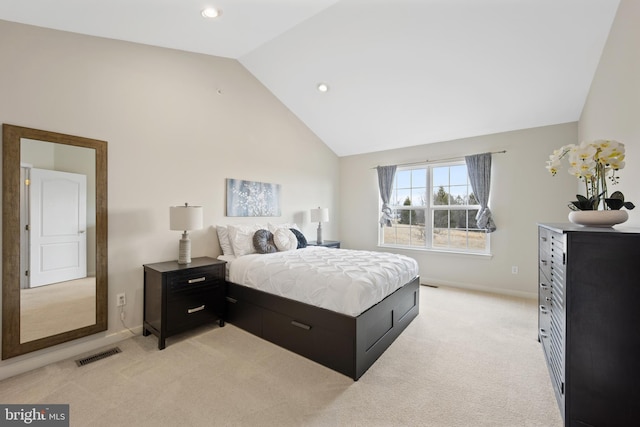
x=57 y=224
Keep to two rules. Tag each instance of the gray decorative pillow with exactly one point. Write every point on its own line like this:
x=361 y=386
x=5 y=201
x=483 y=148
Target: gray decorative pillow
x=302 y=241
x=263 y=242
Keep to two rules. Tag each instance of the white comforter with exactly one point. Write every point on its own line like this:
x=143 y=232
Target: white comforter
x=341 y=280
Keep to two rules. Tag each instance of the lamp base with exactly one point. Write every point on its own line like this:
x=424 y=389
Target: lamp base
x=184 y=251
x=319 y=237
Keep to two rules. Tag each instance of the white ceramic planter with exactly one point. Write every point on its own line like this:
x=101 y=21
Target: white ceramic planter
x=598 y=218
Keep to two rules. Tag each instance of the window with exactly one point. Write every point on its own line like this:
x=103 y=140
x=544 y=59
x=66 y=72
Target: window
x=433 y=207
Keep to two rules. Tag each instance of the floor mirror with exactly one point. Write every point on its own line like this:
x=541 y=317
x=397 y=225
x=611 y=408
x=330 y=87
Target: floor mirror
x=54 y=239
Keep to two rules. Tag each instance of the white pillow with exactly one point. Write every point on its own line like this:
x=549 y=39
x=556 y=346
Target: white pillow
x=285 y=240
x=223 y=238
x=241 y=238
x=274 y=227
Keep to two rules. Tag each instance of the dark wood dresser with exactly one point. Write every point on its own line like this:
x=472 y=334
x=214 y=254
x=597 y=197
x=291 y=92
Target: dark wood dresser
x=589 y=321
x=178 y=297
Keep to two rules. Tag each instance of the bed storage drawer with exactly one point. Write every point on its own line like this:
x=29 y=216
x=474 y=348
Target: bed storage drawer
x=241 y=313
x=309 y=339
x=318 y=334
x=346 y=344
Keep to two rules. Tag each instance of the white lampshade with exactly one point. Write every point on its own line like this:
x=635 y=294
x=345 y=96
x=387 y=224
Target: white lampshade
x=320 y=215
x=185 y=217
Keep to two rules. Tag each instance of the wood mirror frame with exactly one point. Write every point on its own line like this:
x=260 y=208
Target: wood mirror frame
x=12 y=136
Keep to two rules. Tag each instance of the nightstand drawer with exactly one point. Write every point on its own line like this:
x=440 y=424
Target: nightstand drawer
x=196 y=279
x=195 y=308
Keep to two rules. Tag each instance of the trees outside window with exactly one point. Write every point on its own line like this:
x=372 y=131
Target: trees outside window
x=434 y=208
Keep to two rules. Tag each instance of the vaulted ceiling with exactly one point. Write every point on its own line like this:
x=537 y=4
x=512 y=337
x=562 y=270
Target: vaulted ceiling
x=399 y=72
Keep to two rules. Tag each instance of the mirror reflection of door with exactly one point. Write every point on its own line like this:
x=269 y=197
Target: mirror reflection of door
x=57 y=225
x=58 y=202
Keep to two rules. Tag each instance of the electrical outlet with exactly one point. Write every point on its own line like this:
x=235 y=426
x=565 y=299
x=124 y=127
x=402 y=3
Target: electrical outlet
x=122 y=300
x=514 y=269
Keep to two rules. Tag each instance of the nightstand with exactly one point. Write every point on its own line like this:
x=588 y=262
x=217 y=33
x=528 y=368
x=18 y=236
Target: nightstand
x=325 y=243
x=178 y=297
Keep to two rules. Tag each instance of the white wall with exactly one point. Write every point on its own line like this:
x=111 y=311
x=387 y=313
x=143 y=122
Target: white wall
x=173 y=138
x=523 y=194
x=522 y=191
x=177 y=124
x=612 y=109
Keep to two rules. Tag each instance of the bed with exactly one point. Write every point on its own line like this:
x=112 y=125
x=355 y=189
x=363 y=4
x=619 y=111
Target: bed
x=340 y=308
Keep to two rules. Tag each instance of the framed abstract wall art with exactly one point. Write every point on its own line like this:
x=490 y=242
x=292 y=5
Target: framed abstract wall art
x=252 y=198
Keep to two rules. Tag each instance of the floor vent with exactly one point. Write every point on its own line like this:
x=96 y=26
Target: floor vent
x=98 y=356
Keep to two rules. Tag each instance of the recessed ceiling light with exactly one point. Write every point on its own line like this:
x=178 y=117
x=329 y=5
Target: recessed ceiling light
x=211 y=12
x=323 y=87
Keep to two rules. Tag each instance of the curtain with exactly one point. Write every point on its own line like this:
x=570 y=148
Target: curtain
x=385 y=184
x=479 y=168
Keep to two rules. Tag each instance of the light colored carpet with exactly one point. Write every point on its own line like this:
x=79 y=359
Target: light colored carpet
x=59 y=307
x=468 y=359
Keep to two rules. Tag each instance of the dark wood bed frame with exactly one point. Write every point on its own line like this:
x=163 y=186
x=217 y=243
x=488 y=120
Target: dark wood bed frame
x=349 y=345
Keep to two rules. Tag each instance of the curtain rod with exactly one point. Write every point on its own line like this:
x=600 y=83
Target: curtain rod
x=441 y=160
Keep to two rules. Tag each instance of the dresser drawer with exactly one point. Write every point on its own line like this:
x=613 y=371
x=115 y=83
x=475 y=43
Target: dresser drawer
x=544 y=265
x=544 y=252
x=544 y=237
x=557 y=269
x=544 y=315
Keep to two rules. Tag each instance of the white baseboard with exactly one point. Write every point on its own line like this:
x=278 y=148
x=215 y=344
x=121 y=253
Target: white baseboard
x=37 y=359
x=437 y=282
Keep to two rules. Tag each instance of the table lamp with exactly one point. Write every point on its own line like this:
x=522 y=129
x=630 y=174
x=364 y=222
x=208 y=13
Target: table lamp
x=320 y=215
x=185 y=218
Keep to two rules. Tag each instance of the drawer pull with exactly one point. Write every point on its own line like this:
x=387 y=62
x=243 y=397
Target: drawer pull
x=195 y=310
x=232 y=300
x=300 y=325
x=543 y=309
x=543 y=261
x=198 y=280
x=544 y=239
x=543 y=286
x=543 y=333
